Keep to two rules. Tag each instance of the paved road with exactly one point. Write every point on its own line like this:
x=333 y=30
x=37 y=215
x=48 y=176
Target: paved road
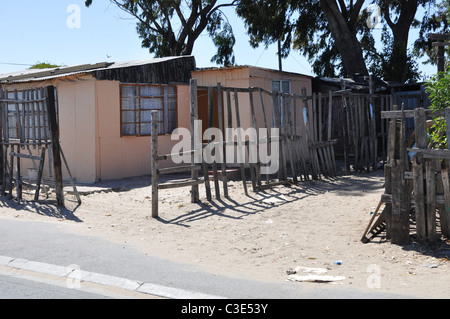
x=27 y=248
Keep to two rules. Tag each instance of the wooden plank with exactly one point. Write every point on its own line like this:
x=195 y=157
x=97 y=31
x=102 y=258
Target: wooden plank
x=266 y=126
x=222 y=153
x=38 y=124
x=178 y=169
x=320 y=117
x=324 y=144
x=431 y=201
x=392 y=140
x=295 y=142
x=346 y=135
x=56 y=151
x=180 y=184
x=24 y=115
x=431 y=153
x=11 y=173
x=288 y=134
x=410 y=114
x=400 y=208
x=18 y=117
x=72 y=181
x=33 y=118
x=154 y=148
x=420 y=128
x=298 y=135
x=356 y=134
x=282 y=174
x=18 y=178
x=6 y=119
x=330 y=114
x=373 y=128
x=5 y=169
x=419 y=198
x=167 y=157
x=256 y=178
x=210 y=125
x=363 y=238
x=45 y=127
x=20 y=155
x=240 y=142
x=195 y=195
x=314 y=118
x=445 y=213
x=39 y=177
x=312 y=161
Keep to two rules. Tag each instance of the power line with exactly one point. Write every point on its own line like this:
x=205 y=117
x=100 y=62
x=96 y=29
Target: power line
x=6 y=63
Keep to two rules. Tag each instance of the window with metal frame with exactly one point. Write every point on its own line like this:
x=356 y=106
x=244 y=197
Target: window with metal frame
x=283 y=86
x=137 y=103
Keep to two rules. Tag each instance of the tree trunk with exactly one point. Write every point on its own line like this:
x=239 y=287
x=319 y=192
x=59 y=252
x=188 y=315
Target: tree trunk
x=346 y=42
x=398 y=66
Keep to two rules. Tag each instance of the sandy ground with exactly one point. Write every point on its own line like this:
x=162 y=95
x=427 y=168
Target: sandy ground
x=315 y=224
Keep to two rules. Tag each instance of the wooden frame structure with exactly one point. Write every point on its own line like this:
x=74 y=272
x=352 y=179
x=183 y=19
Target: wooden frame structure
x=30 y=123
x=417 y=184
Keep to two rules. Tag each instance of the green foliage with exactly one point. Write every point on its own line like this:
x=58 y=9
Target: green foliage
x=44 y=65
x=171 y=27
x=307 y=26
x=224 y=41
x=436 y=20
x=439 y=90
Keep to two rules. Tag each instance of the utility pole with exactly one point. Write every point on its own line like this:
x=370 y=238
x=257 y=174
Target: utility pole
x=439 y=41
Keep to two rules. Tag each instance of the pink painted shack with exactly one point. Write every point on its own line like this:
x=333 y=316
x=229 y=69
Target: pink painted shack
x=104 y=109
x=245 y=77
x=104 y=112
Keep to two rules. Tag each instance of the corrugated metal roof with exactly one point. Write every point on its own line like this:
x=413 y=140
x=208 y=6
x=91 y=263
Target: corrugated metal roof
x=48 y=74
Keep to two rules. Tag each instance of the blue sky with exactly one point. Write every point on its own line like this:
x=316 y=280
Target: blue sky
x=38 y=31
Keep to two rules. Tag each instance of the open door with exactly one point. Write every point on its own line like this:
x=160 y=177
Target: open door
x=203 y=113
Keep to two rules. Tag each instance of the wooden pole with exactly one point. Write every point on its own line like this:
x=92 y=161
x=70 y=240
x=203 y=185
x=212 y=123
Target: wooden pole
x=210 y=125
x=222 y=153
x=266 y=126
x=400 y=193
x=56 y=151
x=431 y=200
x=195 y=196
x=39 y=177
x=256 y=177
x=155 y=164
x=241 y=154
x=419 y=195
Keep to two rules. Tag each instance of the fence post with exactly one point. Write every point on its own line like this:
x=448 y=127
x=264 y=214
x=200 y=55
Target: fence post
x=195 y=196
x=419 y=196
x=56 y=150
x=400 y=192
x=155 y=164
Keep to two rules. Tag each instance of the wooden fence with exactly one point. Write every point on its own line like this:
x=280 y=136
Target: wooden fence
x=29 y=130
x=417 y=189
x=310 y=129
x=303 y=152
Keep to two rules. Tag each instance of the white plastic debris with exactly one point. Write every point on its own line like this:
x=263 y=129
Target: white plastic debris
x=315 y=278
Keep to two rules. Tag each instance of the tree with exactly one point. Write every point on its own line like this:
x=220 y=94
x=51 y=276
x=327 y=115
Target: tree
x=397 y=63
x=43 y=65
x=157 y=21
x=436 y=20
x=335 y=34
